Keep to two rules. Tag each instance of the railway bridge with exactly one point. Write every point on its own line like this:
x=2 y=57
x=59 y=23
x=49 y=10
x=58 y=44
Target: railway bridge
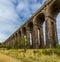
x=33 y=27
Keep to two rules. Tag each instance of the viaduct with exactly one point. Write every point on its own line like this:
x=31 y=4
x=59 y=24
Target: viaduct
x=33 y=28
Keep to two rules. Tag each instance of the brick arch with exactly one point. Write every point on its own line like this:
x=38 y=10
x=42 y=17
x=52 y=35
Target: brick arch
x=40 y=18
x=53 y=9
x=19 y=38
x=16 y=35
x=30 y=26
x=51 y=29
x=19 y=33
x=13 y=36
x=30 y=33
x=24 y=30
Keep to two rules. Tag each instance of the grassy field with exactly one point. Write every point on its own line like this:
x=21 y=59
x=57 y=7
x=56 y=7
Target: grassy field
x=30 y=55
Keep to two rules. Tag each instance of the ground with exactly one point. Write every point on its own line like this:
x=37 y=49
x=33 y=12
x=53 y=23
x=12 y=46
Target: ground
x=5 y=58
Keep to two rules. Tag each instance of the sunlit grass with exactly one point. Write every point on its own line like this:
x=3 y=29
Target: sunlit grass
x=30 y=56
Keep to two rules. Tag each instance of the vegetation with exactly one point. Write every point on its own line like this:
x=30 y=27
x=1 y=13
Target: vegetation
x=24 y=43
x=1 y=45
x=16 y=44
x=34 y=55
x=58 y=46
x=31 y=55
x=8 y=47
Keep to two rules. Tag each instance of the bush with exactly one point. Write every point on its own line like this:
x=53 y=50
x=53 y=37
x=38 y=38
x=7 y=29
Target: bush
x=1 y=45
x=16 y=44
x=58 y=46
x=40 y=52
x=56 y=51
x=47 y=51
x=8 y=47
x=24 y=43
x=4 y=46
x=51 y=51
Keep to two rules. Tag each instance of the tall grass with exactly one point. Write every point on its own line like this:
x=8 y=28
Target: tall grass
x=34 y=55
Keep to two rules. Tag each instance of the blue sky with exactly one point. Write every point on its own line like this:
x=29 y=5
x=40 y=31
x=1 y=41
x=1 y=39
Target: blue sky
x=13 y=13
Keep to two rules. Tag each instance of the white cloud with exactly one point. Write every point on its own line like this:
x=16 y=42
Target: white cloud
x=9 y=19
x=3 y=37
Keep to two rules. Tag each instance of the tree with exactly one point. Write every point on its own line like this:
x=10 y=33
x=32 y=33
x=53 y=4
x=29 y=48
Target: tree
x=24 y=43
x=16 y=44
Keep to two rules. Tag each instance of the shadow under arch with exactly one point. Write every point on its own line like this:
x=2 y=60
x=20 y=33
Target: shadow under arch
x=24 y=31
x=30 y=26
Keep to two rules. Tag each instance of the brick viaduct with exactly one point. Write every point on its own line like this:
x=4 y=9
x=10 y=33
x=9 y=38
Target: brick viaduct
x=47 y=13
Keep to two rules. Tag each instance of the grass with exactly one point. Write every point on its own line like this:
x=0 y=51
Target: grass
x=32 y=55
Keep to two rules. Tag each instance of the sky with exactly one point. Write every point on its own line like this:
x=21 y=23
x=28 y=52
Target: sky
x=13 y=13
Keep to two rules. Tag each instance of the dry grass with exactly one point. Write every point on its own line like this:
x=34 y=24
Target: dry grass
x=29 y=56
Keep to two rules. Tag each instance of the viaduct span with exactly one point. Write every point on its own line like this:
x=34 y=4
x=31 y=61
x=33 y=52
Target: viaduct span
x=33 y=28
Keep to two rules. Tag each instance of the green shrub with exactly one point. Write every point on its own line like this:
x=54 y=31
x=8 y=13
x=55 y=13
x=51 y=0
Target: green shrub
x=40 y=52
x=58 y=46
x=51 y=51
x=47 y=51
x=16 y=44
x=24 y=44
x=4 y=46
x=1 y=45
x=56 y=51
x=8 y=47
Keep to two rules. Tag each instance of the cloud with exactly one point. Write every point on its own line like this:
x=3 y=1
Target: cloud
x=3 y=37
x=9 y=19
x=26 y=8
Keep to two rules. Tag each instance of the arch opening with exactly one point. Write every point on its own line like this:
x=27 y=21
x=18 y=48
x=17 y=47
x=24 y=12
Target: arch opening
x=40 y=21
x=19 y=33
x=24 y=31
x=58 y=27
x=16 y=35
x=30 y=27
x=55 y=13
x=19 y=39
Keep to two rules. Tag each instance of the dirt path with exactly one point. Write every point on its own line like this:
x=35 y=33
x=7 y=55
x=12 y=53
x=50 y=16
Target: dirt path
x=5 y=58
